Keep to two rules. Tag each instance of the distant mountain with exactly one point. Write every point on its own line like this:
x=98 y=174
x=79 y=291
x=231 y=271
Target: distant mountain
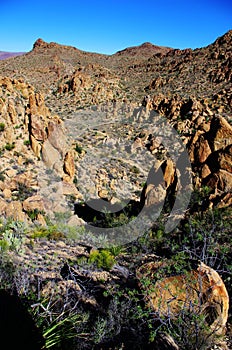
x=61 y=70
x=146 y=50
x=4 y=55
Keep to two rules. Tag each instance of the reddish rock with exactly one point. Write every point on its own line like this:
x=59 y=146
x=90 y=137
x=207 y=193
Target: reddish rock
x=38 y=43
x=221 y=180
x=225 y=159
x=50 y=155
x=7 y=193
x=220 y=134
x=57 y=137
x=38 y=127
x=3 y=206
x=169 y=172
x=202 y=151
x=205 y=171
x=202 y=290
x=36 y=146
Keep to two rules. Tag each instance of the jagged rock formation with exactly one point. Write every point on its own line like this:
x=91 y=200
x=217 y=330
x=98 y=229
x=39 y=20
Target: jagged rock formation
x=29 y=134
x=207 y=136
x=91 y=85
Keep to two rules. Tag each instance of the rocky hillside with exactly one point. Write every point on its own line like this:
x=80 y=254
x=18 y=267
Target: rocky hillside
x=146 y=50
x=94 y=146
x=29 y=148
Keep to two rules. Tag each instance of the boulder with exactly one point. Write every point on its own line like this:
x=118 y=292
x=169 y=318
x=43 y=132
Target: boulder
x=202 y=151
x=160 y=179
x=33 y=203
x=220 y=180
x=38 y=127
x=200 y=290
x=69 y=165
x=50 y=155
x=169 y=172
x=220 y=133
x=14 y=210
x=57 y=137
x=3 y=206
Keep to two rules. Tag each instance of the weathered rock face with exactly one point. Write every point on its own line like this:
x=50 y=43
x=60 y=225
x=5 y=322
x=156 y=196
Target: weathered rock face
x=14 y=210
x=208 y=138
x=69 y=165
x=201 y=291
x=213 y=150
x=34 y=203
x=91 y=84
x=220 y=133
x=28 y=133
x=161 y=181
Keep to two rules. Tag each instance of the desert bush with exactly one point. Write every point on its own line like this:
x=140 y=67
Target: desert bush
x=78 y=149
x=23 y=192
x=12 y=236
x=9 y=146
x=103 y=259
x=2 y=127
x=26 y=142
x=33 y=214
x=50 y=232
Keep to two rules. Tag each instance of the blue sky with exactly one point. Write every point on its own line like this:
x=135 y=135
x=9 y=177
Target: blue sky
x=108 y=26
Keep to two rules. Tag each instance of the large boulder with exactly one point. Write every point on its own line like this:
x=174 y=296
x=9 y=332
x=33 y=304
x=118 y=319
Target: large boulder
x=201 y=291
x=220 y=133
x=161 y=180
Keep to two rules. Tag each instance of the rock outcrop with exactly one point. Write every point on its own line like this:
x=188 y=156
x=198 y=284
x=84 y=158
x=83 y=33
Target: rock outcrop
x=89 y=85
x=29 y=138
x=208 y=138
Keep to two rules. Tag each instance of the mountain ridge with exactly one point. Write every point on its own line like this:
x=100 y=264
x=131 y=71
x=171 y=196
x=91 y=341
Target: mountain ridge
x=129 y=49
x=6 y=54
x=82 y=134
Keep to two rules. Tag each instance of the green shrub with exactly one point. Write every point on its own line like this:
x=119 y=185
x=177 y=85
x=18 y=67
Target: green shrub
x=2 y=176
x=2 y=127
x=78 y=149
x=12 y=236
x=103 y=259
x=23 y=192
x=134 y=170
x=9 y=146
x=50 y=232
x=4 y=245
x=58 y=324
x=33 y=214
x=26 y=142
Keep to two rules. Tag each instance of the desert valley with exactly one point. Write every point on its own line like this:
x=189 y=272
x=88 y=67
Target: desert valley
x=116 y=196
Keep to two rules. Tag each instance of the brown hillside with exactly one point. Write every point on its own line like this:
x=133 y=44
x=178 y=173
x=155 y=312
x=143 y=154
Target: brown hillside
x=146 y=50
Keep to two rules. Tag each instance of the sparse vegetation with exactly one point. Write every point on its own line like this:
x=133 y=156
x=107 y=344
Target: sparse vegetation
x=82 y=292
